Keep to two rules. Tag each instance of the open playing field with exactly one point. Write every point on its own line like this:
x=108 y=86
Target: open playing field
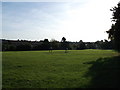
x=75 y=69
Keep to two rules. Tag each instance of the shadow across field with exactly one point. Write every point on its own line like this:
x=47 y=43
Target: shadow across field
x=104 y=73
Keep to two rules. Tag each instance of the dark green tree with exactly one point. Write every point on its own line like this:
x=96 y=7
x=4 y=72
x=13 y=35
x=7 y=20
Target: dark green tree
x=23 y=47
x=81 y=45
x=63 y=39
x=64 y=44
x=54 y=44
x=11 y=47
x=45 y=45
x=114 y=31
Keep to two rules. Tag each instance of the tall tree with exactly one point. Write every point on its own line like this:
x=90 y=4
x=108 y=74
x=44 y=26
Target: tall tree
x=114 y=31
x=64 y=44
x=63 y=39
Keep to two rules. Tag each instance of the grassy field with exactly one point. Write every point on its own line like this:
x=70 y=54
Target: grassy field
x=75 y=69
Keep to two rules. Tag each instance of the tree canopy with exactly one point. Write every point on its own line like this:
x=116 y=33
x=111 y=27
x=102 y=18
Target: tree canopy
x=114 y=31
x=63 y=39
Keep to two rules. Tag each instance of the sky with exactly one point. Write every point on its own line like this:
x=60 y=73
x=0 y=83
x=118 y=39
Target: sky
x=86 y=20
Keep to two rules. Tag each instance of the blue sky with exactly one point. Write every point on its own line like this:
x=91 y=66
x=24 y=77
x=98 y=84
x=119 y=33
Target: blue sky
x=86 y=20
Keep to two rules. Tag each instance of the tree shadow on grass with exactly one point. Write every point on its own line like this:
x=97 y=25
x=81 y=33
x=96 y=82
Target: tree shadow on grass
x=105 y=73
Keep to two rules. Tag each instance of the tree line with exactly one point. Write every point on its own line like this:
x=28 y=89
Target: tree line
x=25 y=45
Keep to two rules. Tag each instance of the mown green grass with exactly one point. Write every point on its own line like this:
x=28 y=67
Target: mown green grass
x=42 y=69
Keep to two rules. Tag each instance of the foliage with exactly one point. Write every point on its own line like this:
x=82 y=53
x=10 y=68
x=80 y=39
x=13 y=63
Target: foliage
x=81 y=45
x=55 y=44
x=45 y=45
x=114 y=32
x=64 y=44
x=23 y=45
x=63 y=39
